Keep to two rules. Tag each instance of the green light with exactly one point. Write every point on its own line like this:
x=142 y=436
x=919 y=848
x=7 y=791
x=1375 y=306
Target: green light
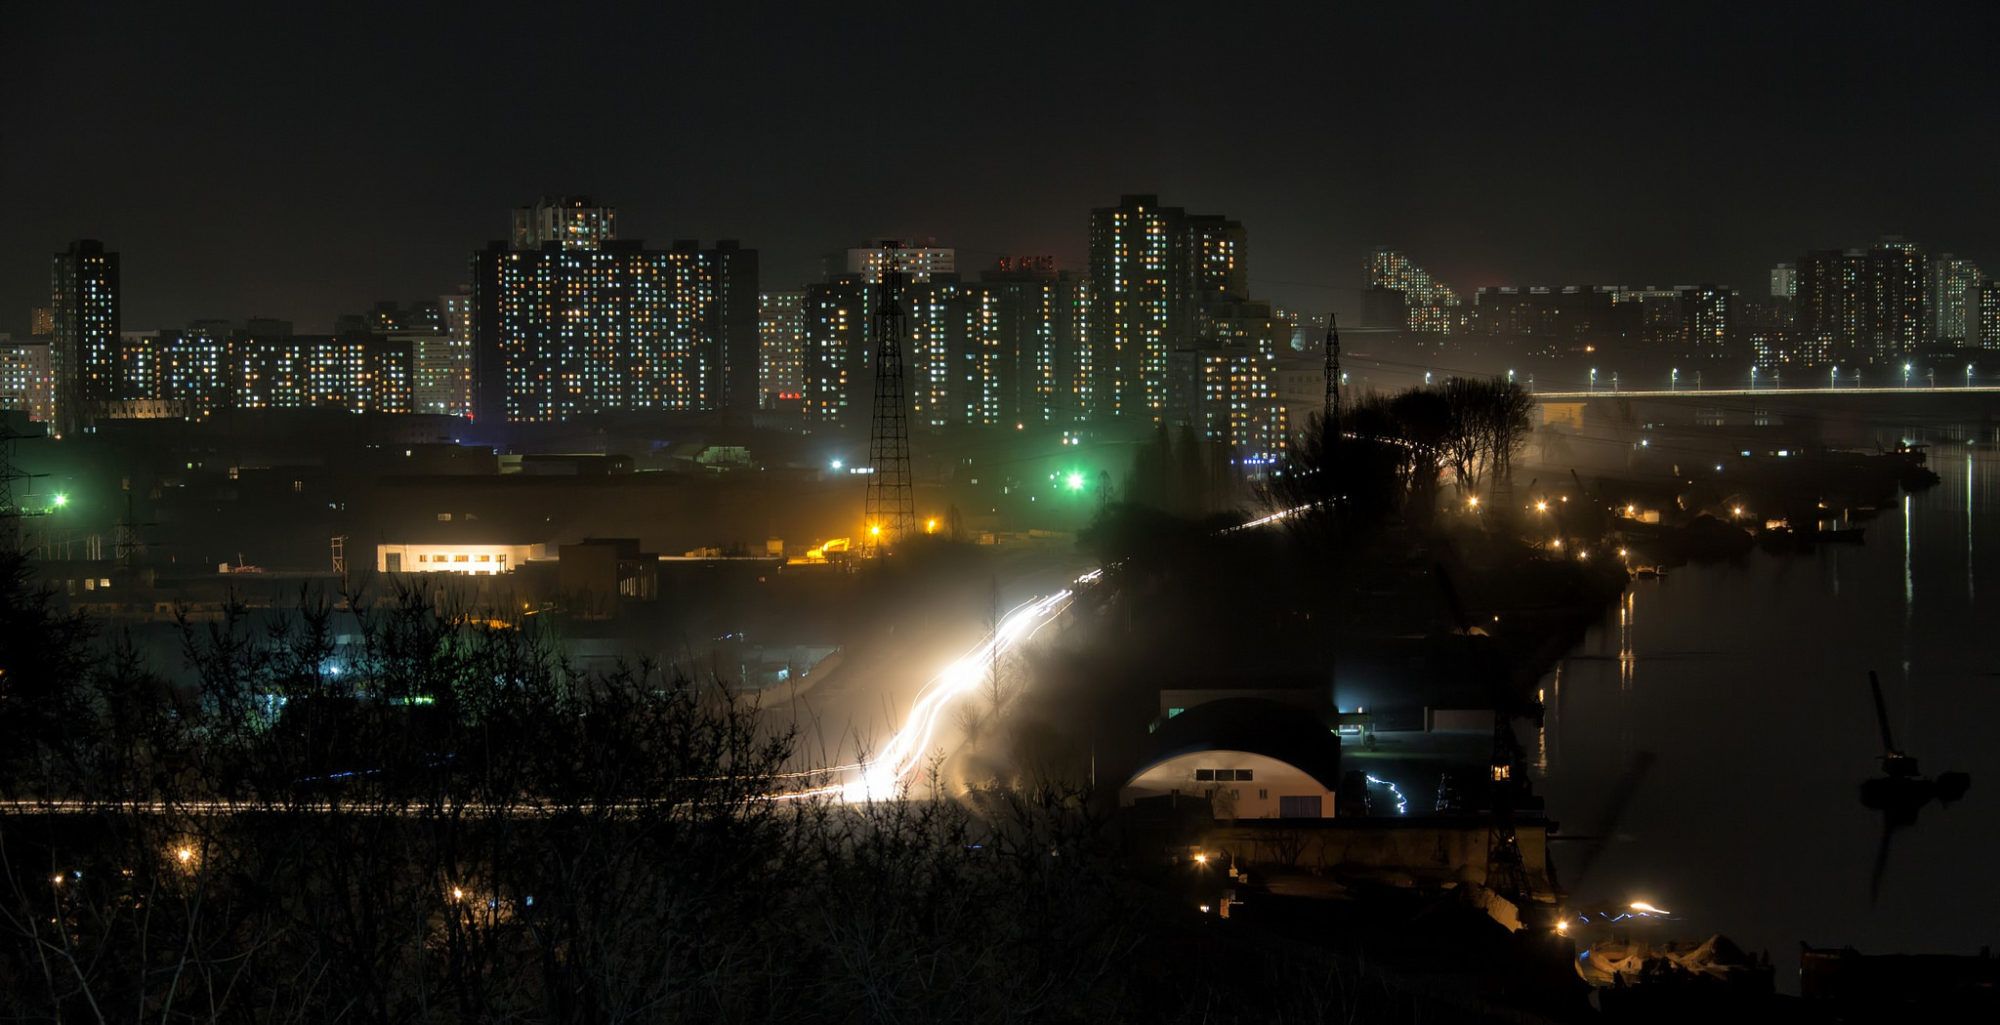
x=1075 y=481
x=61 y=500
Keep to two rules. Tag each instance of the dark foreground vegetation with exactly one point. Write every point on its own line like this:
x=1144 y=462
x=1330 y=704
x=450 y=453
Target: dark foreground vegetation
x=445 y=822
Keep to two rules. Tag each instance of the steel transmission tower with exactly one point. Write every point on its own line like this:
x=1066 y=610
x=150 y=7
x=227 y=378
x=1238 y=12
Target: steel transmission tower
x=1332 y=408
x=10 y=513
x=891 y=507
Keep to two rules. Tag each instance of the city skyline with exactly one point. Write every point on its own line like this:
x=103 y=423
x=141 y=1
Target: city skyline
x=302 y=202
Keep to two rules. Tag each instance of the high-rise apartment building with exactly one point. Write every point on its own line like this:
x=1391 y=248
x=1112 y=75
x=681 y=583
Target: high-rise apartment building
x=139 y=364
x=1708 y=321
x=441 y=365
x=41 y=321
x=917 y=263
x=1219 y=259
x=837 y=359
x=25 y=377
x=388 y=366
x=1430 y=306
x=1951 y=283
x=994 y=352
x=1554 y=320
x=1151 y=269
x=195 y=367
x=84 y=319
x=1026 y=334
x=735 y=323
x=567 y=222
x=1237 y=404
x=301 y=372
x=580 y=323
x=935 y=315
x=440 y=373
x=1863 y=304
x=837 y=344
x=781 y=330
x=1784 y=281
x=1985 y=315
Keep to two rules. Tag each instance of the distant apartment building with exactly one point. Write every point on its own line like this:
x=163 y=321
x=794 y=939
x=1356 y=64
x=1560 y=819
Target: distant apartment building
x=837 y=359
x=570 y=321
x=1708 y=322
x=781 y=340
x=1551 y=320
x=195 y=367
x=443 y=366
x=84 y=322
x=1784 y=281
x=567 y=222
x=1865 y=305
x=1152 y=268
x=301 y=372
x=138 y=364
x=1952 y=281
x=995 y=352
x=1429 y=305
x=917 y=262
x=1985 y=315
x=26 y=382
x=1238 y=405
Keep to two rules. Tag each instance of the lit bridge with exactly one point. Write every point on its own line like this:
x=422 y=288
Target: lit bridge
x=1773 y=392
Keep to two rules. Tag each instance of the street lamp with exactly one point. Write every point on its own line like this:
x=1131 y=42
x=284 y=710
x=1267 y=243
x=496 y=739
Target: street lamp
x=1593 y=378
x=1833 y=376
x=1753 y=378
x=1906 y=375
x=1968 y=375
x=1674 y=379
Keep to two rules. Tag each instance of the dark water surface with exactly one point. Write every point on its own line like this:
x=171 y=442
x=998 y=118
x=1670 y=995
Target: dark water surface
x=1749 y=684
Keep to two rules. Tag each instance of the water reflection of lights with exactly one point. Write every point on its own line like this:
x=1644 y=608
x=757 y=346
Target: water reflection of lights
x=1628 y=659
x=1542 y=728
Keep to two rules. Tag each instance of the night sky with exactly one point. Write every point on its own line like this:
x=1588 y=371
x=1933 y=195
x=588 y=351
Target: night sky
x=303 y=161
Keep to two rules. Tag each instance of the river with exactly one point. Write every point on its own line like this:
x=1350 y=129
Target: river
x=1748 y=683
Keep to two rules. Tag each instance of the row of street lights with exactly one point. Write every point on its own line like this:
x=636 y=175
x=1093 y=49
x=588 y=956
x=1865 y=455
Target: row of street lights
x=1777 y=377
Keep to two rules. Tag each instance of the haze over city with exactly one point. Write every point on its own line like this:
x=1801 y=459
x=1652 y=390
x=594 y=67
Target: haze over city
x=1046 y=513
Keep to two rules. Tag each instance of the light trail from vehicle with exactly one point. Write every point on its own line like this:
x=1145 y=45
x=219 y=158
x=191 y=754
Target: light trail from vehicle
x=884 y=776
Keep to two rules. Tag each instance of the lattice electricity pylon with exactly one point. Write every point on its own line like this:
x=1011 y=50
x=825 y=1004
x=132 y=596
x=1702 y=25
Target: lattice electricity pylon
x=10 y=512
x=1332 y=409
x=131 y=538
x=891 y=505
